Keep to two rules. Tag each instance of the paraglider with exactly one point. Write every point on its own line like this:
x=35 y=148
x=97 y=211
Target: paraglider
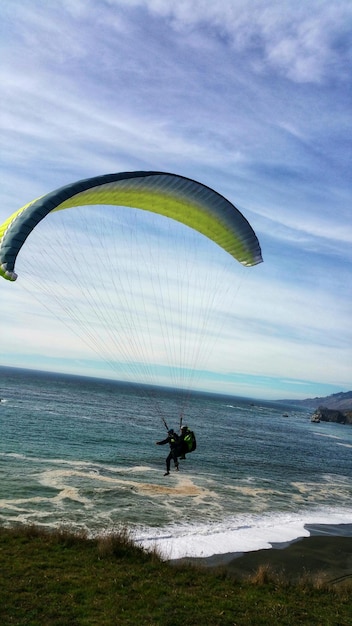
x=180 y=445
x=177 y=197
x=154 y=324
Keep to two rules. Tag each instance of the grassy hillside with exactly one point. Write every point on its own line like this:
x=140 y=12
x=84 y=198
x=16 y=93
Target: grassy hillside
x=63 y=579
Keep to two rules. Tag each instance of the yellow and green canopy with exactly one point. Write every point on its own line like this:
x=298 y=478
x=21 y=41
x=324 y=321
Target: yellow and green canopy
x=173 y=196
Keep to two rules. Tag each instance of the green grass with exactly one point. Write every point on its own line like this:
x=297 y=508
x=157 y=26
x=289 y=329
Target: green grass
x=62 y=578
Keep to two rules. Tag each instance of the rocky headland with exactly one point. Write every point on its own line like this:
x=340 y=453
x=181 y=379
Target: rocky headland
x=335 y=408
x=323 y=414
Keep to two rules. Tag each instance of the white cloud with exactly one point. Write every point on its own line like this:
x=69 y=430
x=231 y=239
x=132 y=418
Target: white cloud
x=299 y=40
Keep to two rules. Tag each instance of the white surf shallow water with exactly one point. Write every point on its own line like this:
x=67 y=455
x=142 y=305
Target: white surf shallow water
x=237 y=536
x=81 y=453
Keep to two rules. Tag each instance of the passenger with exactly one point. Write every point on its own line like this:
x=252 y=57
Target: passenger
x=183 y=444
x=187 y=442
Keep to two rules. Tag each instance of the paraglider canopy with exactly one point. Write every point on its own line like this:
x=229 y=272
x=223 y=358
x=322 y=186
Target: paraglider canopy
x=177 y=197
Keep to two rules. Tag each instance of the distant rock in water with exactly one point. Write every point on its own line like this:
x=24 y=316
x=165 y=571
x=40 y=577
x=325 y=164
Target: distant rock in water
x=323 y=414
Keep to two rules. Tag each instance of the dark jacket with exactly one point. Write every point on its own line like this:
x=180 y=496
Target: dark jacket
x=172 y=440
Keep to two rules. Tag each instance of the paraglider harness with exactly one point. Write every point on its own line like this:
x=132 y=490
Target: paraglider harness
x=189 y=440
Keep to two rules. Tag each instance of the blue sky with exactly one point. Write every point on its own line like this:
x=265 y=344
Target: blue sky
x=250 y=98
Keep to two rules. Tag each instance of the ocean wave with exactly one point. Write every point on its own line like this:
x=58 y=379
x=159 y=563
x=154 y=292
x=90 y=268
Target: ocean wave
x=237 y=535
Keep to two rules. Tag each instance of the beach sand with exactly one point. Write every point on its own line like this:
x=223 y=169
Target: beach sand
x=319 y=555
x=329 y=557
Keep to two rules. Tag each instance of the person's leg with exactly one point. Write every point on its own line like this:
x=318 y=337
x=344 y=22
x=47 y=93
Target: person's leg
x=174 y=456
x=168 y=461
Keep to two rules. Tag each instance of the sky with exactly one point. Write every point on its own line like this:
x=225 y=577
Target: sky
x=251 y=98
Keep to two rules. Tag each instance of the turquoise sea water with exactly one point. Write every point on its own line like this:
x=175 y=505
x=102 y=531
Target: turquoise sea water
x=81 y=452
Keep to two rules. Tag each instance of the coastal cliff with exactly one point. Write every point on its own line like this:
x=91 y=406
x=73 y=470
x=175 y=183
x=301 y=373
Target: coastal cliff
x=335 y=408
x=323 y=414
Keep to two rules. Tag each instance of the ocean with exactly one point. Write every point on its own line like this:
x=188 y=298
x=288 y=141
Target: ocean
x=80 y=453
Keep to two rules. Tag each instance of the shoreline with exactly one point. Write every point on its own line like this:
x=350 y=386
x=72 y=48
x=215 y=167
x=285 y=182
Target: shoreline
x=326 y=552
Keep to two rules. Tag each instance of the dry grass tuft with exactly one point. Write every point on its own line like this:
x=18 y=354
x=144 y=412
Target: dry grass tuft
x=319 y=580
x=114 y=544
x=263 y=575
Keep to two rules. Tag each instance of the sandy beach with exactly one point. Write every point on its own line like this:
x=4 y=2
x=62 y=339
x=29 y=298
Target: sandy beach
x=326 y=553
